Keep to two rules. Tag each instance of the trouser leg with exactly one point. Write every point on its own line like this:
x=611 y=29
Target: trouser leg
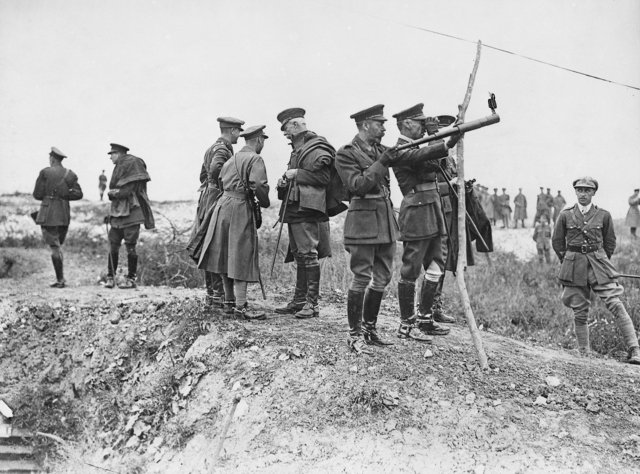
x=577 y=298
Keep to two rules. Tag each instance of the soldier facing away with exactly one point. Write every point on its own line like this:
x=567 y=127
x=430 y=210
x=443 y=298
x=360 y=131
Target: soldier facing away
x=55 y=187
x=542 y=206
x=505 y=208
x=102 y=184
x=130 y=207
x=307 y=177
x=558 y=205
x=520 y=211
x=230 y=246
x=422 y=226
x=214 y=158
x=584 y=240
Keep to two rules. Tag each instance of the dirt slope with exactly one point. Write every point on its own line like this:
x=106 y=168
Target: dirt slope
x=150 y=393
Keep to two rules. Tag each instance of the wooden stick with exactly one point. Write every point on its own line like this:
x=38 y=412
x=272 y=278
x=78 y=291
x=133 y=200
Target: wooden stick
x=225 y=428
x=462 y=231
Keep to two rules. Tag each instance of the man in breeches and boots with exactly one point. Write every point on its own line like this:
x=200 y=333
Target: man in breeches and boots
x=55 y=187
x=230 y=246
x=307 y=177
x=130 y=207
x=584 y=240
x=215 y=156
x=422 y=226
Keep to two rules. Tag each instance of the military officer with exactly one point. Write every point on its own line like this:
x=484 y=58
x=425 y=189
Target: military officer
x=542 y=206
x=102 y=184
x=370 y=228
x=307 y=178
x=520 y=211
x=584 y=240
x=632 y=219
x=497 y=206
x=55 y=187
x=558 y=204
x=215 y=156
x=230 y=245
x=130 y=207
x=422 y=227
x=505 y=208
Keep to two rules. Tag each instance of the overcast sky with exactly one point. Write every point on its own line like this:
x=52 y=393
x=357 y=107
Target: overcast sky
x=154 y=75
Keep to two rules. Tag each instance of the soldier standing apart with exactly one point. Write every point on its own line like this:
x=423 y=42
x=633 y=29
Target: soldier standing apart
x=558 y=205
x=505 y=208
x=215 y=156
x=55 y=187
x=130 y=207
x=422 y=226
x=520 y=211
x=497 y=206
x=542 y=238
x=230 y=246
x=584 y=241
x=632 y=219
x=308 y=175
x=102 y=184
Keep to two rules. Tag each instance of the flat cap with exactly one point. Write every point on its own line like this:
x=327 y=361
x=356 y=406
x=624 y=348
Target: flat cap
x=288 y=114
x=372 y=113
x=413 y=113
x=585 y=182
x=230 y=122
x=116 y=148
x=57 y=153
x=445 y=120
x=253 y=132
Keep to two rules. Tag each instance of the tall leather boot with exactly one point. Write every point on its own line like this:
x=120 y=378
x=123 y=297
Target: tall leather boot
x=58 y=268
x=355 y=300
x=300 y=292
x=370 y=310
x=310 y=308
x=408 y=329
x=112 y=267
x=425 y=318
x=208 y=283
x=437 y=308
x=132 y=267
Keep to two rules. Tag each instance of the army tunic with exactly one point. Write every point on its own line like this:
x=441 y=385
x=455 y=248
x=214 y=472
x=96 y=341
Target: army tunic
x=632 y=218
x=520 y=205
x=582 y=242
x=214 y=158
x=231 y=242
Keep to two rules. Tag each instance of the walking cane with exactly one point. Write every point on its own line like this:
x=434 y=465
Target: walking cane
x=106 y=224
x=281 y=219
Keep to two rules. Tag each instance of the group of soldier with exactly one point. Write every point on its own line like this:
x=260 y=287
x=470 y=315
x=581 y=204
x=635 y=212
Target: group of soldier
x=315 y=186
x=130 y=208
x=497 y=207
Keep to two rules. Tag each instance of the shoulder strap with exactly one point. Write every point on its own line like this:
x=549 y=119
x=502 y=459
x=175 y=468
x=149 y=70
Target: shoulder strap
x=242 y=181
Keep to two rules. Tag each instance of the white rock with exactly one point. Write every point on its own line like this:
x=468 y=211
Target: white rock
x=552 y=381
x=428 y=354
x=540 y=400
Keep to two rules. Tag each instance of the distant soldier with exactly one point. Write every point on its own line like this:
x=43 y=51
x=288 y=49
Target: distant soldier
x=486 y=200
x=558 y=205
x=584 y=241
x=130 y=207
x=520 y=211
x=55 y=187
x=422 y=226
x=542 y=206
x=632 y=219
x=308 y=175
x=542 y=238
x=214 y=158
x=230 y=246
x=505 y=208
x=497 y=206
x=102 y=183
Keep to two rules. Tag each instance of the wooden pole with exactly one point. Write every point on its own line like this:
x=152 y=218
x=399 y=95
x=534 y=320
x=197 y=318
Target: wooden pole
x=462 y=230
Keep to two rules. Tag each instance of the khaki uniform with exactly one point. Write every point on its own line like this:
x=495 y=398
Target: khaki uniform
x=632 y=218
x=584 y=244
x=542 y=238
x=558 y=205
x=231 y=243
x=520 y=211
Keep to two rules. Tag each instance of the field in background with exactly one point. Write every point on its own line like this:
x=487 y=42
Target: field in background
x=511 y=293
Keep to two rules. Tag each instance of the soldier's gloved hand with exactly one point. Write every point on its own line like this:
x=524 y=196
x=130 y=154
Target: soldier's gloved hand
x=282 y=183
x=106 y=219
x=291 y=174
x=454 y=139
x=389 y=156
x=112 y=194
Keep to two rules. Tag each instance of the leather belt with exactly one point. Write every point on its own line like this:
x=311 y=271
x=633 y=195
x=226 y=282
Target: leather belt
x=431 y=186
x=584 y=248
x=235 y=194
x=370 y=196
